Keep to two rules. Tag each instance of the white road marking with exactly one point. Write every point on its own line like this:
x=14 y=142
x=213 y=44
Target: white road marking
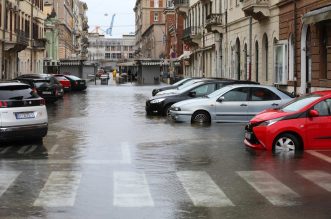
x=202 y=189
x=126 y=154
x=60 y=190
x=273 y=190
x=23 y=149
x=5 y=150
x=31 y=149
x=6 y=179
x=131 y=190
x=53 y=149
x=317 y=177
x=320 y=156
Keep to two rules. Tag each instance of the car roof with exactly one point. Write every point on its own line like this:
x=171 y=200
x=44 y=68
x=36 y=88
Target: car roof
x=323 y=93
x=11 y=83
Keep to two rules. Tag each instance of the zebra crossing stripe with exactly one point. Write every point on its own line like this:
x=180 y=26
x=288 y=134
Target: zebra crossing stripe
x=131 y=190
x=60 y=190
x=6 y=179
x=320 y=178
x=202 y=189
x=320 y=156
x=273 y=190
x=5 y=150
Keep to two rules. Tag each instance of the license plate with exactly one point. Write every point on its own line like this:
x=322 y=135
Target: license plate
x=248 y=135
x=46 y=92
x=82 y=83
x=25 y=115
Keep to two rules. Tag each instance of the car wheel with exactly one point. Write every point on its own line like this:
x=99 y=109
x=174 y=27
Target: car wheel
x=287 y=142
x=201 y=117
x=166 y=111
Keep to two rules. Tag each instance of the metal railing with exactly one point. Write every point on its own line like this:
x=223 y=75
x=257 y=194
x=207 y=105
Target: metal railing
x=213 y=19
x=181 y=3
x=192 y=31
x=21 y=37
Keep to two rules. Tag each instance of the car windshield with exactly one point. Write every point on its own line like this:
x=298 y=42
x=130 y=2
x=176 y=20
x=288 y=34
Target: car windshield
x=16 y=92
x=185 y=80
x=189 y=83
x=218 y=92
x=299 y=103
x=73 y=77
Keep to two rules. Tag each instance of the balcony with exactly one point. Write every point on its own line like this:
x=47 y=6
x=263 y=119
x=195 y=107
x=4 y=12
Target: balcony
x=39 y=43
x=213 y=23
x=17 y=42
x=204 y=1
x=192 y=35
x=182 y=6
x=258 y=9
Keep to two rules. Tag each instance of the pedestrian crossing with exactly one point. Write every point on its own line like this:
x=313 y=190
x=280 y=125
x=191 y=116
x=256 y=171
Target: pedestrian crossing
x=133 y=190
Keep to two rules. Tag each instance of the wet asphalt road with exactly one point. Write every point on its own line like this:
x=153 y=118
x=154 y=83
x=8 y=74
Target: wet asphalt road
x=104 y=158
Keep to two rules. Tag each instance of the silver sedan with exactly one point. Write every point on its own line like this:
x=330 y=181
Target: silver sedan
x=233 y=103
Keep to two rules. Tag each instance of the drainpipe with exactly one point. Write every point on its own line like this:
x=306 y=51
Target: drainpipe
x=203 y=41
x=250 y=48
x=3 y=41
x=295 y=44
x=31 y=37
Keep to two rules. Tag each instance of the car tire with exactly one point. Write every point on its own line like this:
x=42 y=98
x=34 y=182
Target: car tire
x=287 y=142
x=201 y=117
x=166 y=111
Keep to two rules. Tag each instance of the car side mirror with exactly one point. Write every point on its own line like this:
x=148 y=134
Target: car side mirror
x=192 y=94
x=313 y=113
x=220 y=99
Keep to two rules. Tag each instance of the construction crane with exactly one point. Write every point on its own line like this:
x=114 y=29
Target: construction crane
x=109 y=31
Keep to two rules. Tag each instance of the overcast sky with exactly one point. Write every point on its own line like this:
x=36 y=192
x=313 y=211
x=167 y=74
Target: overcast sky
x=124 y=19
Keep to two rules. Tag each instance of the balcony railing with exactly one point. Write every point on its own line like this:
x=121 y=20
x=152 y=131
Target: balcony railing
x=191 y=33
x=21 y=38
x=39 y=43
x=258 y=9
x=214 y=19
x=181 y=3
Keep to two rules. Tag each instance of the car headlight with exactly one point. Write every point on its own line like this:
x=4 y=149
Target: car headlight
x=158 y=100
x=175 y=109
x=270 y=122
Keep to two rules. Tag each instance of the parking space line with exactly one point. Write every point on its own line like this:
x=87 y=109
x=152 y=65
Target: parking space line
x=6 y=179
x=23 y=149
x=131 y=190
x=5 y=150
x=126 y=154
x=202 y=189
x=320 y=178
x=53 y=149
x=273 y=190
x=60 y=190
x=320 y=156
x=31 y=149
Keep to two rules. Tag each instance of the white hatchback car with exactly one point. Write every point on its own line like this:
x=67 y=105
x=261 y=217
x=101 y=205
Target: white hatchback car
x=22 y=112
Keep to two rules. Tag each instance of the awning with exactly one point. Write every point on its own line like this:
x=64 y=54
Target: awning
x=185 y=55
x=317 y=15
x=125 y=64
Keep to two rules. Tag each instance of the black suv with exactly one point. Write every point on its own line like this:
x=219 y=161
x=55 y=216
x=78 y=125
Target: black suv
x=161 y=104
x=47 y=86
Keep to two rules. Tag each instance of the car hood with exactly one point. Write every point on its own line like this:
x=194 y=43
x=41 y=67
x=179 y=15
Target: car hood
x=190 y=102
x=168 y=92
x=166 y=88
x=269 y=114
x=161 y=96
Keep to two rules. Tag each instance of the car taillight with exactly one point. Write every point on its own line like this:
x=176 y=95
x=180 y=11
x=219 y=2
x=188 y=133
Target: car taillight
x=76 y=83
x=42 y=102
x=3 y=104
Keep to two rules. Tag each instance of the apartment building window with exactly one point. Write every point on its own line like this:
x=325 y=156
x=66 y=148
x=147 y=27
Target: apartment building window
x=156 y=3
x=118 y=55
x=107 y=48
x=156 y=16
x=107 y=55
x=280 y=62
x=265 y=54
x=0 y=15
x=130 y=55
x=170 y=4
x=113 y=55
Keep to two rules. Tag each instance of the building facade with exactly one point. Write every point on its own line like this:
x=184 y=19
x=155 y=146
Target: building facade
x=22 y=37
x=150 y=20
x=108 y=52
x=305 y=29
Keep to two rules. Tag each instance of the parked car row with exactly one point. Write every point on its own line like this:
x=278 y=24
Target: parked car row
x=52 y=87
x=276 y=121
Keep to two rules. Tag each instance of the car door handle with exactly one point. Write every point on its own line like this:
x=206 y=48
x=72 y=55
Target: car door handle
x=274 y=104
x=243 y=104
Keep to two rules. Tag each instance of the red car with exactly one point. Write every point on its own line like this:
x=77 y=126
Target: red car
x=64 y=81
x=304 y=123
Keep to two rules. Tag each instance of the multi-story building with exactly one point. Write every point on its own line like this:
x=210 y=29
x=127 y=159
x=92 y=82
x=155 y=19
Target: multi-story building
x=22 y=38
x=108 y=52
x=305 y=30
x=150 y=29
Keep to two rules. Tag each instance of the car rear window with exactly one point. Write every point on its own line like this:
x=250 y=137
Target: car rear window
x=16 y=92
x=73 y=77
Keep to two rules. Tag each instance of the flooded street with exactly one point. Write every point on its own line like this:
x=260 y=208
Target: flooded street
x=104 y=158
